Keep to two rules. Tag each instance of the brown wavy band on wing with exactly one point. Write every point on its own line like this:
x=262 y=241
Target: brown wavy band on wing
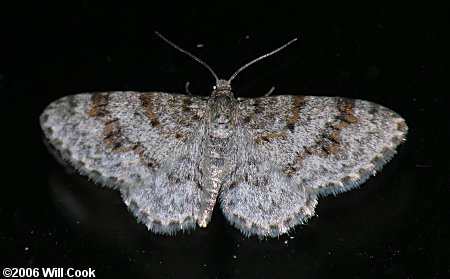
x=147 y=103
x=113 y=136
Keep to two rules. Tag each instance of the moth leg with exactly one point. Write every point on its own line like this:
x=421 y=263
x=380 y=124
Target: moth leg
x=186 y=88
x=270 y=91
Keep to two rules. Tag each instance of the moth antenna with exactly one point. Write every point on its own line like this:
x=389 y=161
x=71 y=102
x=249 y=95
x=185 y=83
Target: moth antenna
x=260 y=58
x=189 y=54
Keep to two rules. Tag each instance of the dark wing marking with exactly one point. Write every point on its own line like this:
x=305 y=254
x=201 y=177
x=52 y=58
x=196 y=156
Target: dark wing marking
x=140 y=143
x=329 y=144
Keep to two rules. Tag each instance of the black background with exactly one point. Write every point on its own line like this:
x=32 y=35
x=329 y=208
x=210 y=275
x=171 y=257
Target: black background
x=396 y=225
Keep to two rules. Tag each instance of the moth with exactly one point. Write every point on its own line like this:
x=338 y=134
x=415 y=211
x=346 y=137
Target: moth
x=265 y=160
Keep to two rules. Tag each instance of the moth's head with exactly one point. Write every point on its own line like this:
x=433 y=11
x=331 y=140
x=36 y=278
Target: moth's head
x=222 y=85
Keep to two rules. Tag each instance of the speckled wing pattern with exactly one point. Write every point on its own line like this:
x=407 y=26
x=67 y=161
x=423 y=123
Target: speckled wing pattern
x=266 y=160
x=327 y=144
x=300 y=148
x=122 y=139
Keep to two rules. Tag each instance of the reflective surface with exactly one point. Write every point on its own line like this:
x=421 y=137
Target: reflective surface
x=394 y=225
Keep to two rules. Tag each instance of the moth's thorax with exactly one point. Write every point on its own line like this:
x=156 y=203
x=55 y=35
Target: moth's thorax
x=222 y=107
